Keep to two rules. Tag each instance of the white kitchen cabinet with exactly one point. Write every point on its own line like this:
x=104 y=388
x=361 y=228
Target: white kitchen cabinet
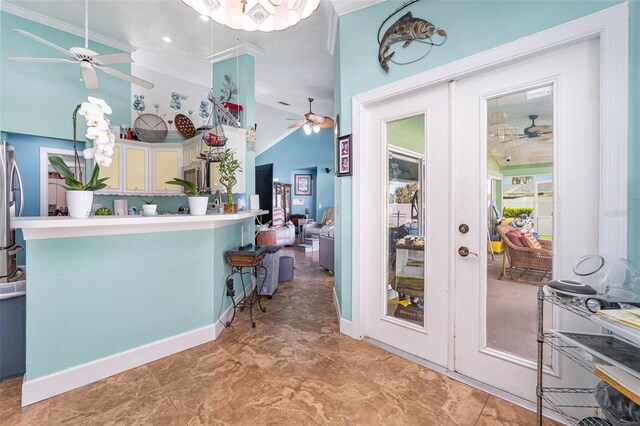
x=135 y=165
x=166 y=164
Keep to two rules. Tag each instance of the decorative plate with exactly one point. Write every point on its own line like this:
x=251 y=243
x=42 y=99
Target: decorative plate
x=150 y=128
x=185 y=126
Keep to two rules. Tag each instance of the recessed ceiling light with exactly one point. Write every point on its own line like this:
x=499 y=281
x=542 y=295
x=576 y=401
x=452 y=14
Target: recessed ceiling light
x=167 y=39
x=204 y=18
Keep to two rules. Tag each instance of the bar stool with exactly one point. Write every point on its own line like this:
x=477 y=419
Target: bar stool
x=239 y=260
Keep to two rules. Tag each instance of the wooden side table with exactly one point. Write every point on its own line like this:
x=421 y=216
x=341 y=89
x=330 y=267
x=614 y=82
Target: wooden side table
x=266 y=238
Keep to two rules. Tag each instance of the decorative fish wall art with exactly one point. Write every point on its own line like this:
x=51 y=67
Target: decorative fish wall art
x=407 y=29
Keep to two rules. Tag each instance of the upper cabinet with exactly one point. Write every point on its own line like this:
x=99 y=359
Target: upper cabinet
x=136 y=169
x=142 y=168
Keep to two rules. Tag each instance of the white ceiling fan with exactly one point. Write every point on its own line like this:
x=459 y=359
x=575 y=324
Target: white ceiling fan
x=88 y=59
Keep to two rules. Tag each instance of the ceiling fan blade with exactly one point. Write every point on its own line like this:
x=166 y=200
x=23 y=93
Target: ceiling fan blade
x=113 y=58
x=44 y=60
x=294 y=125
x=45 y=42
x=124 y=76
x=327 y=124
x=546 y=136
x=89 y=76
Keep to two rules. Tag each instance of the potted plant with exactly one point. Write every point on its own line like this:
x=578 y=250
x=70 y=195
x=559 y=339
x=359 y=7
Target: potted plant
x=229 y=165
x=198 y=197
x=149 y=207
x=79 y=194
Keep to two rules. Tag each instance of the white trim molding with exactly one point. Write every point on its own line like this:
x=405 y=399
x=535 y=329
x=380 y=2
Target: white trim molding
x=610 y=26
x=64 y=26
x=342 y=7
x=346 y=327
x=232 y=53
x=63 y=381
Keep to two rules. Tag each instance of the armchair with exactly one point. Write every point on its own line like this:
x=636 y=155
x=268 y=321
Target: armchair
x=313 y=230
x=280 y=233
x=524 y=259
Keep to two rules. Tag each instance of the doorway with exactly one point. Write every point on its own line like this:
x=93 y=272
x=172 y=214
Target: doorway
x=564 y=149
x=53 y=200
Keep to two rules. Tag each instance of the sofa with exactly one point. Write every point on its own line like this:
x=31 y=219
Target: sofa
x=326 y=252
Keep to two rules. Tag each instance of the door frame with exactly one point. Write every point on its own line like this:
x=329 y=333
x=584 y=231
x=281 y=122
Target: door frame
x=610 y=26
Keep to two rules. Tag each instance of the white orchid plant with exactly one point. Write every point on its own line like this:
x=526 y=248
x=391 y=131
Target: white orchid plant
x=103 y=142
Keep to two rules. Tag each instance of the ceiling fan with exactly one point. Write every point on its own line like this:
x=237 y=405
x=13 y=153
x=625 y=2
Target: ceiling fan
x=88 y=59
x=312 y=122
x=544 y=132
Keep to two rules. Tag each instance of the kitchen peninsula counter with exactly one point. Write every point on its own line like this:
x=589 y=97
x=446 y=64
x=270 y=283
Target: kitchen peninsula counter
x=107 y=294
x=37 y=227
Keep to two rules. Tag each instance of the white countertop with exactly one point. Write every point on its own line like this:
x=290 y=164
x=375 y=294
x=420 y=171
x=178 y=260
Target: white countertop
x=44 y=227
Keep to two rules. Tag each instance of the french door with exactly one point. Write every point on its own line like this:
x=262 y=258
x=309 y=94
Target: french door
x=406 y=302
x=549 y=161
x=440 y=281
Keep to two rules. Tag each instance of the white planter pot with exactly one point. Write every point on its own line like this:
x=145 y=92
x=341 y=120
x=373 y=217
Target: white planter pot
x=198 y=205
x=79 y=203
x=149 y=208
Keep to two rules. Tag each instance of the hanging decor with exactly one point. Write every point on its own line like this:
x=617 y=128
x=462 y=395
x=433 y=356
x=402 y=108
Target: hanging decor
x=407 y=29
x=252 y=15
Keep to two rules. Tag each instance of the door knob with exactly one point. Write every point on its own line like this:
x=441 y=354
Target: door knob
x=464 y=252
x=464 y=228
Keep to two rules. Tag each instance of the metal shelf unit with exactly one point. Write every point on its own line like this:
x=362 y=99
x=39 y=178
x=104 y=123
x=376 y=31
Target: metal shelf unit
x=574 y=404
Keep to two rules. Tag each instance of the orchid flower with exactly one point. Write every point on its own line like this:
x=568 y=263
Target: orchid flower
x=101 y=104
x=97 y=135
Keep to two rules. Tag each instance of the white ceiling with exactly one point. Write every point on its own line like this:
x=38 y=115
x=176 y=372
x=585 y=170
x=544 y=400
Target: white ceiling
x=296 y=63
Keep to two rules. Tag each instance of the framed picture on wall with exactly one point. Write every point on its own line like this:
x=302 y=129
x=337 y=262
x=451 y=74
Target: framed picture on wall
x=302 y=184
x=343 y=156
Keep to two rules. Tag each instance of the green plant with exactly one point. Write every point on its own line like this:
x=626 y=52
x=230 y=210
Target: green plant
x=229 y=165
x=71 y=182
x=190 y=188
x=103 y=211
x=148 y=202
x=509 y=212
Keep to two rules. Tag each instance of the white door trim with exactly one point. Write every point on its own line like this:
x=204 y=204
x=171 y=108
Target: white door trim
x=44 y=174
x=611 y=27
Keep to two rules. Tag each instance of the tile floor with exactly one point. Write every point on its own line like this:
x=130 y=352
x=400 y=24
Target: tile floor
x=295 y=368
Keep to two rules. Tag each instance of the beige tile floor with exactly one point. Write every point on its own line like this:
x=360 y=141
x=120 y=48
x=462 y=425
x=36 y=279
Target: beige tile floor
x=295 y=368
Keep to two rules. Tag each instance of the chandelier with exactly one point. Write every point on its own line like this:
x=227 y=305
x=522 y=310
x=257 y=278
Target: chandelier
x=252 y=15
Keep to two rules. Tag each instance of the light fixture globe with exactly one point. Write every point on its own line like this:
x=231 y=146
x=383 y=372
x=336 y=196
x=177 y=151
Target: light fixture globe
x=316 y=128
x=255 y=15
x=307 y=128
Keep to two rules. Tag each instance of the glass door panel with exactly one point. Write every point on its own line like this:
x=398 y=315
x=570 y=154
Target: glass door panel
x=406 y=284
x=519 y=229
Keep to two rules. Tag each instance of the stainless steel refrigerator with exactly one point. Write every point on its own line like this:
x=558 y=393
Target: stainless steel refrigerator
x=10 y=184
x=12 y=279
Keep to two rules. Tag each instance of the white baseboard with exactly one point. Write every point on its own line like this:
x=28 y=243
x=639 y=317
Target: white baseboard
x=219 y=326
x=346 y=327
x=335 y=302
x=81 y=375
x=63 y=381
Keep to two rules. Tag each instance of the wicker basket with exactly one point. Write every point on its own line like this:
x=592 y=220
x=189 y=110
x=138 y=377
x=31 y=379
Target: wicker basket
x=410 y=312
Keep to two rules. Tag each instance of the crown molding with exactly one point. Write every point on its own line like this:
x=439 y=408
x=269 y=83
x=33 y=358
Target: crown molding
x=63 y=26
x=342 y=7
x=333 y=31
x=243 y=49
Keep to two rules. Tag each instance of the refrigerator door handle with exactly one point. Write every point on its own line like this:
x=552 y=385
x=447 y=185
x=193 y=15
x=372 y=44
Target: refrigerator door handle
x=17 y=171
x=16 y=250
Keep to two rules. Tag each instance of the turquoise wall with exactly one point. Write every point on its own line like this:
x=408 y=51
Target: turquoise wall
x=472 y=27
x=339 y=207
x=38 y=99
x=301 y=152
x=98 y=296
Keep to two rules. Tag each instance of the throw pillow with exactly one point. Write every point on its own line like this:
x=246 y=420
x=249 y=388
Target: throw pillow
x=278 y=218
x=530 y=240
x=516 y=238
